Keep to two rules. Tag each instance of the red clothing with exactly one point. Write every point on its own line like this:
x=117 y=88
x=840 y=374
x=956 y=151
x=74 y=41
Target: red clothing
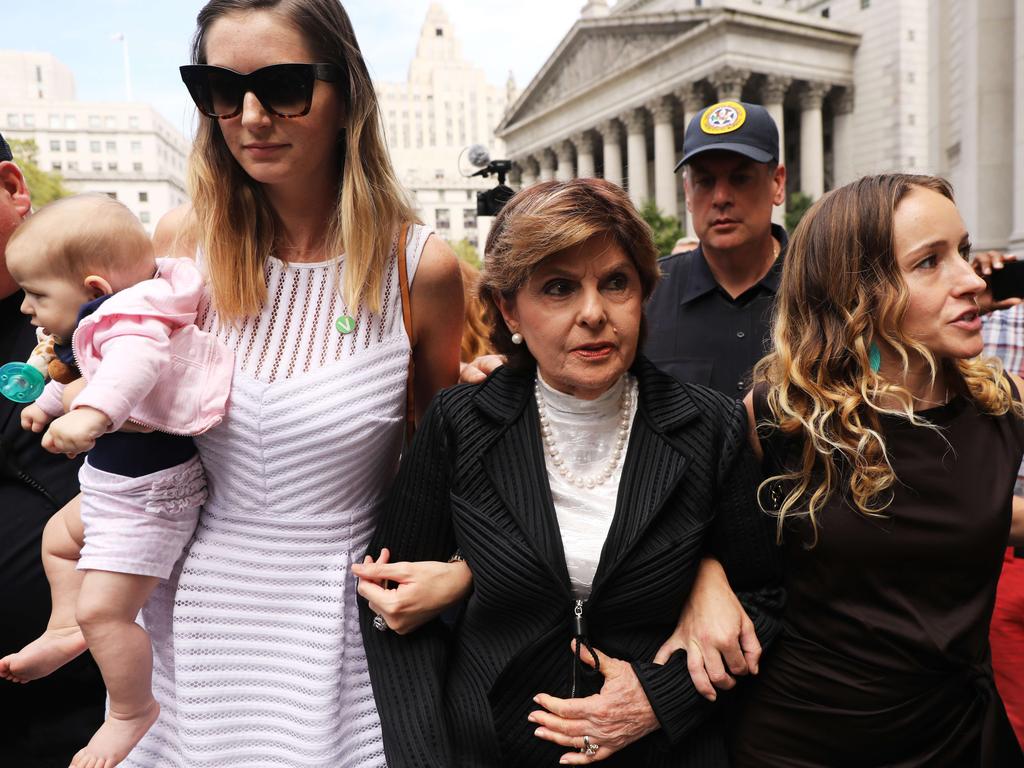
x=1006 y=635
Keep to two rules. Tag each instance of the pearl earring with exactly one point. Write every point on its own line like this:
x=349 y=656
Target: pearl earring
x=517 y=338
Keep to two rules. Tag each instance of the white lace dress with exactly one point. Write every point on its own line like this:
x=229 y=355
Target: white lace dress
x=262 y=663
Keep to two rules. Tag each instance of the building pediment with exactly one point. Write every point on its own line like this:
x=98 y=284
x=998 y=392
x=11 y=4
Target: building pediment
x=592 y=50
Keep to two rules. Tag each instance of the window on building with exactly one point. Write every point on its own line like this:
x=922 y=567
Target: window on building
x=864 y=4
x=469 y=218
x=133 y=121
x=109 y=121
x=57 y=165
x=439 y=174
x=53 y=121
x=29 y=120
x=137 y=167
x=70 y=122
x=111 y=146
x=143 y=197
x=439 y=32
x=136 y=146
x=97 y=165
x=72 y=165
x=144 y=217
x=71 y=145
x=443 y=218
x=95 y=121
x=55 y=146
x=94 y=146
x=112 y=165
x=825 y=13
x=13 y=121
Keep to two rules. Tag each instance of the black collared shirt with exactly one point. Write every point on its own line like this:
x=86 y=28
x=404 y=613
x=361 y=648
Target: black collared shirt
x=701 y=335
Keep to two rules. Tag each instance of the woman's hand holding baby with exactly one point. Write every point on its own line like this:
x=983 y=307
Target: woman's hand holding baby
x=76 y=432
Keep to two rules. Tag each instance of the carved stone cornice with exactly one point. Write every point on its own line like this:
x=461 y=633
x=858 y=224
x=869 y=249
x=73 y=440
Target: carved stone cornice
x=728 y=82
x=773 y=91
x=812 y=94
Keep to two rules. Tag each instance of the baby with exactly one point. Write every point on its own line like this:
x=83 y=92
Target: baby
x=125 y=320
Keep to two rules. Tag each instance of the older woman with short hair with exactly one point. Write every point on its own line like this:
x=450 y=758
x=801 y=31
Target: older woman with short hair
x=582 y=486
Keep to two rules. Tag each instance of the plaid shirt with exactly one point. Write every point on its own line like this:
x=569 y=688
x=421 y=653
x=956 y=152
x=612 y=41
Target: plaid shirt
x=1003 y=333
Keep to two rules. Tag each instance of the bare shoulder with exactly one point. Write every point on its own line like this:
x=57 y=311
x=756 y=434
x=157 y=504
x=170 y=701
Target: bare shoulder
x=1018 y=383
x=438 y=267
x=171 y=237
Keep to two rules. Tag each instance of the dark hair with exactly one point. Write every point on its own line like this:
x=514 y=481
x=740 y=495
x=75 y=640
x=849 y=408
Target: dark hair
x=549 y=218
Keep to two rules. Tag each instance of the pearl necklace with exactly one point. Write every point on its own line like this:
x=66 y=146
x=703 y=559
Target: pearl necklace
x=589 y=481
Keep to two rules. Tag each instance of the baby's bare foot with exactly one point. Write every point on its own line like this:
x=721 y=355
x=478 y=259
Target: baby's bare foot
x=116 y=738
x=51 y=650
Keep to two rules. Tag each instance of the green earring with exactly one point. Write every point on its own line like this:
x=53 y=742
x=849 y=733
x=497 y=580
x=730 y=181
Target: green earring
x=874 y=357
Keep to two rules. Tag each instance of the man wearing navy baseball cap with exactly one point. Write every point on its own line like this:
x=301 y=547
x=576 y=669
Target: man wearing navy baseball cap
x=709 y=317
x=48 y=720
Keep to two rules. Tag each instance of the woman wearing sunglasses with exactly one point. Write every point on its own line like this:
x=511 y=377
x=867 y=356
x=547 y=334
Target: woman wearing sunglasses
x=295 y=216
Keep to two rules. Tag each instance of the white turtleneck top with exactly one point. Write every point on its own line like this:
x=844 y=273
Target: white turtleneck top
x=585 y=432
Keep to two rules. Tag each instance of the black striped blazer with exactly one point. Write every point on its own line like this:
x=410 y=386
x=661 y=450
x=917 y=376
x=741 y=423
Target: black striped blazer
x=474 y=479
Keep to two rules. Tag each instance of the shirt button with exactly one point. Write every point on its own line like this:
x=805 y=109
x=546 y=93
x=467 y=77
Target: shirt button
x=740 y=334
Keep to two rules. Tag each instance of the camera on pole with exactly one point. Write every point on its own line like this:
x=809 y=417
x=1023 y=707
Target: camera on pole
x=490 y=202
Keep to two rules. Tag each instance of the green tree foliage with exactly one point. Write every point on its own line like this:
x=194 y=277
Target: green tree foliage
x=798 y=205
x=45 y=186
x=666 y=229
x=466 y=251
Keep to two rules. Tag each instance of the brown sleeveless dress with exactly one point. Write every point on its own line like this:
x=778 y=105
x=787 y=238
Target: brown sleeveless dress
x=884 y=656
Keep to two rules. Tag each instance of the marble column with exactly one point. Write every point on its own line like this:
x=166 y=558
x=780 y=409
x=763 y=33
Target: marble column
x=547 y=165
x=842 y=138
x=566 y=171
x=728 y=82
x=812 y=140
x=773 y=94
x=636 y=155
x=664 y=156
x=693 y=100
x=1017 y=235
x=530 y=170
x=515 y=176
x=584 y=155
x=611 y=134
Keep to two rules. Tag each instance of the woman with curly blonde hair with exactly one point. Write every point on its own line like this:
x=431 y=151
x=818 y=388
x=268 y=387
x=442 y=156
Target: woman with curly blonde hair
x=890 y=450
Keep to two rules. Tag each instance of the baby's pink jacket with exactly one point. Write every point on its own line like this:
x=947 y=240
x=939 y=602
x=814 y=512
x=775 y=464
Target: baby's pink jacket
x=143 y=357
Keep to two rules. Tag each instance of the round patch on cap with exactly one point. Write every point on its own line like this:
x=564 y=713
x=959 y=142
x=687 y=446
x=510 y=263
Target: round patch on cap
x=723 y=117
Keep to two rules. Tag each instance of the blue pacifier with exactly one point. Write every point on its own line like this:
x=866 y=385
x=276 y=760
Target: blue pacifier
x=21 y=382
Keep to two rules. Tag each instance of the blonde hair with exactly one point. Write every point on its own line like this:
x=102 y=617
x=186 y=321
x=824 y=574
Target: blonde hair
x=83 y=235
x=234 y=223
x=551 y=217
x=477 y=327
x=841 y=290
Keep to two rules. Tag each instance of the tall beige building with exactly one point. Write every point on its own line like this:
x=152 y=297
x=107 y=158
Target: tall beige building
x=125 y=150
x=856 y=86
x=444 y=106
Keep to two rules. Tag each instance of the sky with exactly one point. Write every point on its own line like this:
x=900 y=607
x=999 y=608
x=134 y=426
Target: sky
x=516 y=35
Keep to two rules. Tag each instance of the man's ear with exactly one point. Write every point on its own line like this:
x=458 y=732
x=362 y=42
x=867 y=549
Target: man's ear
x=779 y=182
x=12 y=181
x=98 y=286
x=507 y=307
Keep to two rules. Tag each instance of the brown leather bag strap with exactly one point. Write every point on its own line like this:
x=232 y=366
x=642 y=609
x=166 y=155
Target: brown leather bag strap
x=403 y=284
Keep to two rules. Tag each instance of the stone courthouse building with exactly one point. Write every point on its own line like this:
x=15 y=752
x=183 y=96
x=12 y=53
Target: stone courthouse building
x=856 y=87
